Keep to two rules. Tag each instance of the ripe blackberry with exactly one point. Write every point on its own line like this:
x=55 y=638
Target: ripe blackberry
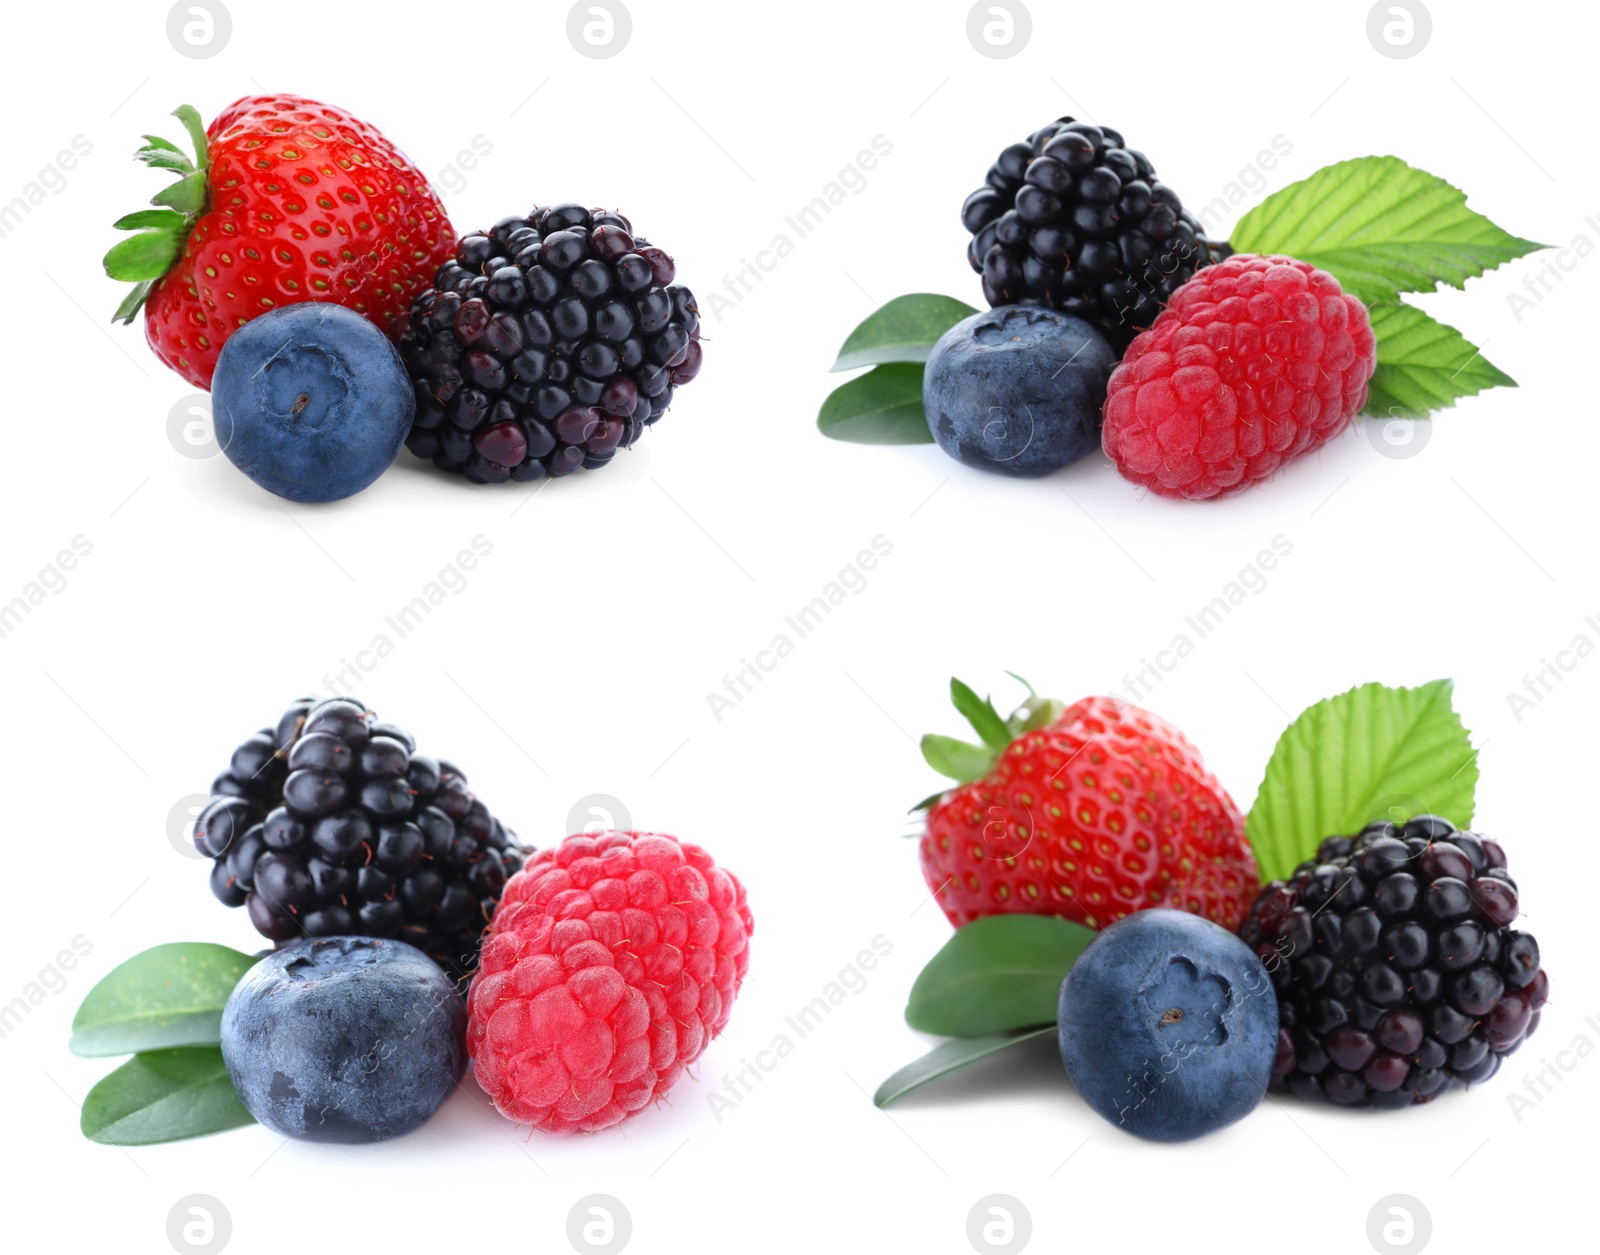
x=547 y=343
x=1074 y=219
x=331 y=824
x=1396 y=969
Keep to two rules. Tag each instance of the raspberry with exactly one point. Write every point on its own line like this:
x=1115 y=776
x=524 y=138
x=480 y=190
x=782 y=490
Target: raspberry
x=1255 y=361
x=611 y=962
x=1090 y=813
x=1396 y=972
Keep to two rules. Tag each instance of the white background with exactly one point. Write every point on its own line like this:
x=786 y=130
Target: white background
x=579 y=655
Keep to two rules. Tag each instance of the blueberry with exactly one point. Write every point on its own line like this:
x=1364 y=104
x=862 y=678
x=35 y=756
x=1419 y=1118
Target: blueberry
x=344 y=1039
x=1017 y=390
x=311 y=401
x=1168 y=1025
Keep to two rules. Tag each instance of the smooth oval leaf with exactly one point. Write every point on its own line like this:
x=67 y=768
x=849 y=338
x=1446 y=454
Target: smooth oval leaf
x=884 y=406
x=904 y=330
x=1424 y=365
x=170 y=995
x=999 y=973
x=147 y=255
x=1379 y=226
x=947 y=1057
x=162 y=1097
x=1372 y=753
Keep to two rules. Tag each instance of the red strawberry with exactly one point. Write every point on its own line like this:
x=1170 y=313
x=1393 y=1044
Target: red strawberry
x=1090 y=812
x=287 y=200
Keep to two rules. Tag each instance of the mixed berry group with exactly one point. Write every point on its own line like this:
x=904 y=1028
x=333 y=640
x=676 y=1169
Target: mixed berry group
x=1381 y=972
x=594 y=973
x=537 y=348
x=1229 y=365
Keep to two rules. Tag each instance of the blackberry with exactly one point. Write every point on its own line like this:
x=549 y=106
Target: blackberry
x=1396 y=969
x=547 y=344
x=331 y=824
x=1073 y=219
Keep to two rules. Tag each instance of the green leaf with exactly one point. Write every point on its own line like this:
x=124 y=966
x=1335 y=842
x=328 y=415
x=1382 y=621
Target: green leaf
x=945 y=1058
x=1372 y=753
x=1424 y=365
x=161 y=219
x=1381 y=227
x=162 y=1097
x=981 y=714
x=170 y=995
x=884 y=406
x=959 y=760
x=904 y=330
x=999 y=973
x=187 y=195
x=133 y=302
x=146 y=255
x=197 y=134
x=155 y=141
x=168 y=158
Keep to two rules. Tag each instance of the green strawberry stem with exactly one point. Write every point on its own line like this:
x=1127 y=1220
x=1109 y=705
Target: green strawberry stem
x=159 y=233
x=964 y=761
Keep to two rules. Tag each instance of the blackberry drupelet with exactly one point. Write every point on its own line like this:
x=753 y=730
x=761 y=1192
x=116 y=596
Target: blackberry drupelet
x=331 y=824
x=1396 y=968
x=549 y=342
x=1074 y=219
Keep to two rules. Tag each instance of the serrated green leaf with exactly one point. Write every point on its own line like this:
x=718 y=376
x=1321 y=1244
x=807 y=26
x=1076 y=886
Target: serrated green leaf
x=947 y=1057
x=884 y=406
x=160 y=219
x=1381 y=227
x=1424 y=365
x=959 y=760
x=146 y=255
x=163 y=1096
x=1372 y=753
x=187 y=196
x=904 y=330
x=155 y=141
x=999 y=973
x=169 y=995
x=981 y=714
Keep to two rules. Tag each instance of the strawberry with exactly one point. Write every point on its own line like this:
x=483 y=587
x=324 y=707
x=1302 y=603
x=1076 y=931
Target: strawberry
x=286 y=200
x=1090 y=812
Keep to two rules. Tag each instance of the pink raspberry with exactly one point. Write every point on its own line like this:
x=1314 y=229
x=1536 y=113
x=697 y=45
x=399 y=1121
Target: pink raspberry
x=1255 y=360
x=611 y=962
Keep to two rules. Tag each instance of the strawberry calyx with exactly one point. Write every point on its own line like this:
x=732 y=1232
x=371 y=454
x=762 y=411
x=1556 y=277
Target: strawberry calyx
x=964 y=761
x=159 y=233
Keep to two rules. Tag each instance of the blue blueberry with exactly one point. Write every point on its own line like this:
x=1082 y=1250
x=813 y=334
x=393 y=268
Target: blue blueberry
x=344 y=1039
x=1017 y=390
x=311 y=401
x=1168 y=1025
